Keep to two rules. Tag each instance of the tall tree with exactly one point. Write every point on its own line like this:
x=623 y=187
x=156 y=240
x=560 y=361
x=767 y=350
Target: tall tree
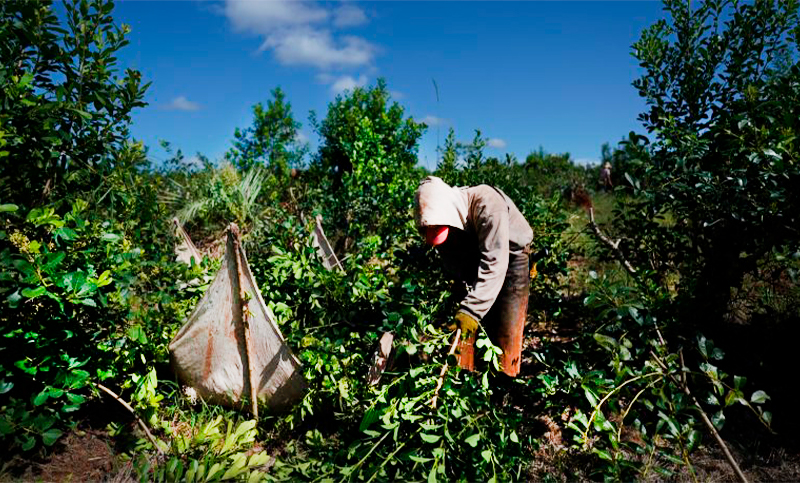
x=722 y=84
x=271 y=140
x=368 y=157
x=339 y=131
x=448 y=165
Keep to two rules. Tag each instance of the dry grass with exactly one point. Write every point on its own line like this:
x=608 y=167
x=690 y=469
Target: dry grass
x=80 y=456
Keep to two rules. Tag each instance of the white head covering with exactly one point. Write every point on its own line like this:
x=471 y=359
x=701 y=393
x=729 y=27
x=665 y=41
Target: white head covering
x=437 y=203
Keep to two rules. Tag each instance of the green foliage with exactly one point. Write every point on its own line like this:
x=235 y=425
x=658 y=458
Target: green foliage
x=218 y=196
x=552 y=173
x=67 y=284
x=64 y=110
x=640 y=399
x=210 y=450
x=90 y=292
x=272 y=139
x=365 y=165
x=721 y=82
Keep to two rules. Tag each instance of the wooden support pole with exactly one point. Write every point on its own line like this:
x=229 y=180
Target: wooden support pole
x=245 y=322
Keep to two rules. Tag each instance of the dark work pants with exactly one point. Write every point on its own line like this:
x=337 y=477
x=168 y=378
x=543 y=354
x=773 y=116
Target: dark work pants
x=505 y=321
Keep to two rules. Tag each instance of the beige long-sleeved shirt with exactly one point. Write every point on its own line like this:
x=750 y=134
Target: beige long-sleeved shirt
x=488 y=228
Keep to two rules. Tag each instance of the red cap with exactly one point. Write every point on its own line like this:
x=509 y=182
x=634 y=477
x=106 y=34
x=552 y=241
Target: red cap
x=436 y=235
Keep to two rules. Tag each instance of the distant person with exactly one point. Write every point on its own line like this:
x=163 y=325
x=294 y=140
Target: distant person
x=605 y=177
x=485 y=240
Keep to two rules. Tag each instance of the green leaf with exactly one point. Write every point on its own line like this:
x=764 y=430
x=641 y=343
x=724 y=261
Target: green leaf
x=432 y=475
x=41 y=398
x=759 y=397
x=28 y=443
x=473 y=440
x=718 y=419
x=83 y=114
x=5 y=386
x=430 y=438
x=593 y=400
x=14 y=299
x=694 y=439
x=486 y=455
x=66 y=234
x=88 y=302
x=33 y=293
x=369 y=417
x=513 y=437
x=51 y=436
x=634 y=313
x=8 y=208
x=603 y=454
x=701 y=344
x=238 y=466
x=5 y=427
x=606 y=342
x=26 y=79
x=212 y=472
x=111 y=237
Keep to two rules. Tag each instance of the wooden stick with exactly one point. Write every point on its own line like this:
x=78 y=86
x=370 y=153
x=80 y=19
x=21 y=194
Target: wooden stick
x=245 y=322
x=444 y=369
x=138 y=419
x=706 y=420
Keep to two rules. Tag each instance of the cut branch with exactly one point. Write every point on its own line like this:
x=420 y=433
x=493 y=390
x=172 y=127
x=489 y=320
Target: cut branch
x=705 y=419
x=444 y=369
x=138 y=419
x=613 y=245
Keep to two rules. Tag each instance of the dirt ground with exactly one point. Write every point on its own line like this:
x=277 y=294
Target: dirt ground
x=82 y=456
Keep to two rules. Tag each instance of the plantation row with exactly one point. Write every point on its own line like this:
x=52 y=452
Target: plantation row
x=620 y=378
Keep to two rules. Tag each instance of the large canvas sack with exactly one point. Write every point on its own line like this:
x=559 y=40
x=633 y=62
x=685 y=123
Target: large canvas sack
x=231 y=344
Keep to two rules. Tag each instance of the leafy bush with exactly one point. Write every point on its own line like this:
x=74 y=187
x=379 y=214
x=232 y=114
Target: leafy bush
x=63 y=108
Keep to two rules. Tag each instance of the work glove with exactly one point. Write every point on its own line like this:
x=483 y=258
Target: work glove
x=467 y=323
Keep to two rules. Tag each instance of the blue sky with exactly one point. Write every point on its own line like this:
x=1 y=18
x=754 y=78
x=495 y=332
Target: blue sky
x=527 y=74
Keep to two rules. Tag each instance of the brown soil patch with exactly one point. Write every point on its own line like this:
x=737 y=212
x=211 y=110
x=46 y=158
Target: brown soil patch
x=84 y=457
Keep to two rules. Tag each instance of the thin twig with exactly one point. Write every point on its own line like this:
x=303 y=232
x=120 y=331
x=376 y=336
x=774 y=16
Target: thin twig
x=138 y=419
x=602 y=401
x=705 y=419
x=444 y=369
x=614 y=246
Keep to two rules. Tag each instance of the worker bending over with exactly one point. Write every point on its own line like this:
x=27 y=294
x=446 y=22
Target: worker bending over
x=485 y=241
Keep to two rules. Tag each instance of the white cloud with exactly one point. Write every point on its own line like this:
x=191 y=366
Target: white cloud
x=263 y=17
x=397 y=95
x=433 y=120
x=318 y=48
x=348 y=16
x=348 y=83
x=496 y=143
x=302 y=32
x=181 y=103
